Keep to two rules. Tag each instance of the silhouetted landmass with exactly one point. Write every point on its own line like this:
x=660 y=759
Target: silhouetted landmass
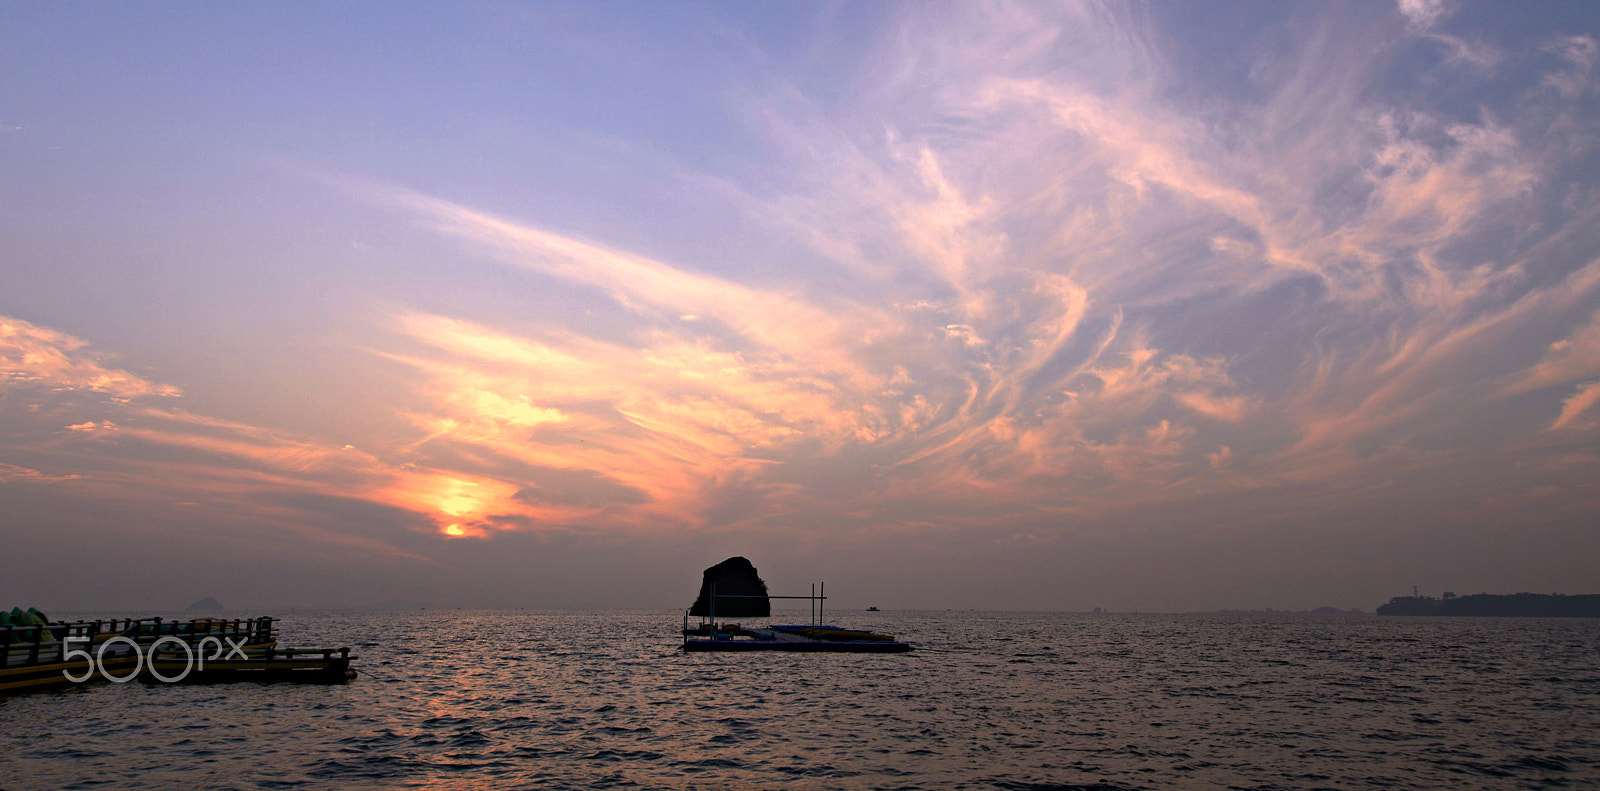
x=733 y=577
x=207 y=604
x=1516 y=605
x=1317 y=611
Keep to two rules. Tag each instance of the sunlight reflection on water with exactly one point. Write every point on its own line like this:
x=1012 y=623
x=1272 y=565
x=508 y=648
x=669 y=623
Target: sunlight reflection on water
x=458 y=699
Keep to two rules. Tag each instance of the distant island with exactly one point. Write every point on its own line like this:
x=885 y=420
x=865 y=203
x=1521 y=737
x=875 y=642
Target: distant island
x=1270 y=611
x=207 y=604
x=1516 y=605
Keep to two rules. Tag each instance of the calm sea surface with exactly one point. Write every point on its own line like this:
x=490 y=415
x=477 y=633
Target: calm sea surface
x=525 y=699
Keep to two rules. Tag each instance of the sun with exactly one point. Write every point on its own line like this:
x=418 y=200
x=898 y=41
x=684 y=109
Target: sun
x=459 y=505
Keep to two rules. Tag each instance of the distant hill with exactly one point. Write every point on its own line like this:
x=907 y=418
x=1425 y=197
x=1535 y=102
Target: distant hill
x=207 y=604
x=1516 y=605
x=1270 y=611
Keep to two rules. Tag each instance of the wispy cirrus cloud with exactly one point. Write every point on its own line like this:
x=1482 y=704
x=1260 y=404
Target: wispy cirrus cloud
x=34 y=356
x=1047 y=229
x=93 y=431
x=680 y=414
x=1422 y=15
x=999 y=274
x=1577 y=405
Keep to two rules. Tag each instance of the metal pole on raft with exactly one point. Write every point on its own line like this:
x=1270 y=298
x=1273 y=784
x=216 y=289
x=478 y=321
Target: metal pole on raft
x=822 y=619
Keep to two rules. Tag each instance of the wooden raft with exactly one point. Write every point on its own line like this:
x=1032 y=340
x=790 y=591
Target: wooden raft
x=161 y=651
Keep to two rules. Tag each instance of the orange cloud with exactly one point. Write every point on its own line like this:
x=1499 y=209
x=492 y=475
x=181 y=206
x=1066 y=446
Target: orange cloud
x=667 y=420
x=30 y=354
x=1576 y=404
x=463 y=506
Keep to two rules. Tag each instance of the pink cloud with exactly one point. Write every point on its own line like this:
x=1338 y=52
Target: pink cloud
x=1576 y=404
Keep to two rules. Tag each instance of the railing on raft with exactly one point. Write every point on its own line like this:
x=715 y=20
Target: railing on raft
x=708 y=622
x=36 y=644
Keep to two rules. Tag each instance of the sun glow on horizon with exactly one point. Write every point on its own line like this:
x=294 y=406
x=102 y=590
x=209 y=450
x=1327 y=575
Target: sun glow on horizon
x=460 y=506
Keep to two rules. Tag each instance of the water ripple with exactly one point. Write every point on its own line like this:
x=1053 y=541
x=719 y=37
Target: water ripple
x=517 y=699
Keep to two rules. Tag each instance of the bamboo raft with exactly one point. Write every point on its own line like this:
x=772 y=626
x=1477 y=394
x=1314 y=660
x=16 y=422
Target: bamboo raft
x=160 y=651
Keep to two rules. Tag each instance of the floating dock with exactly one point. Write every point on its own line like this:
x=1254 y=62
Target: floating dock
x=815 y=637
x=160 y=651
x=299 y=665
x=819 y=639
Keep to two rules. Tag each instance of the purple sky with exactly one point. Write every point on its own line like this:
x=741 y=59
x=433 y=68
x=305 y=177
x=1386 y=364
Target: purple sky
x=1163 y=307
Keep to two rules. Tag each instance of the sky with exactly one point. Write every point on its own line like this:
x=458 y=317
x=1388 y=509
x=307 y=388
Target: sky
x=1030 y=306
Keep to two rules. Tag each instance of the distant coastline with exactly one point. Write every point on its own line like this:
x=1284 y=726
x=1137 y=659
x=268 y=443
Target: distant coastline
x=1516 y=605
x=1271 y=611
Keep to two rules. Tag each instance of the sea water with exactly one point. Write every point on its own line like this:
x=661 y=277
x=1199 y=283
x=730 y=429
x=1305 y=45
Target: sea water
x=526 y=699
